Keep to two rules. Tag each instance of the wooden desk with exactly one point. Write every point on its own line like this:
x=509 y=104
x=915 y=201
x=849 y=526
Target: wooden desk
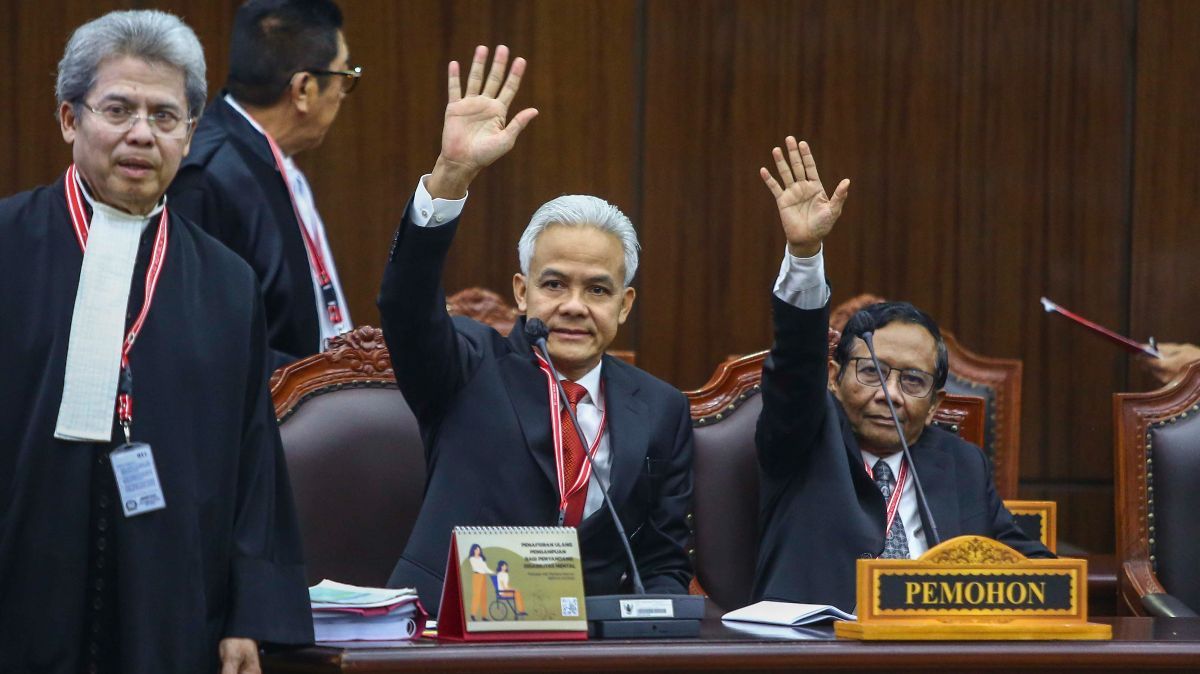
x=1138 y=644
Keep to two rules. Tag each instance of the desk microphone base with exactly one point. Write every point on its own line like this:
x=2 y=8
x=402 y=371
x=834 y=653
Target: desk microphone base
x=641 y=616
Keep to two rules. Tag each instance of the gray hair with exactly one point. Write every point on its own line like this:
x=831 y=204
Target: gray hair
x=574 y=210
x=150 y=35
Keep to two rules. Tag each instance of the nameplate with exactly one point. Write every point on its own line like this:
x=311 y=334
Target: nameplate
x=972 y=587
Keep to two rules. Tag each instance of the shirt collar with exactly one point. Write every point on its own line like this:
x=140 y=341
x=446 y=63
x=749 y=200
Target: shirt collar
x=591 y=382
x=893 y=461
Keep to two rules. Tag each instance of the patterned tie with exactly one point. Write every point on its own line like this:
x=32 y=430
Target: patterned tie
x=573 y=455
x=895 y=546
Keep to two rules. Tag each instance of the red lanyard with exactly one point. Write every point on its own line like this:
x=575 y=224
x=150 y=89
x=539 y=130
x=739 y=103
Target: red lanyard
x=316 y=260
x=79 y=220
x=585 y=471
x=894 y=502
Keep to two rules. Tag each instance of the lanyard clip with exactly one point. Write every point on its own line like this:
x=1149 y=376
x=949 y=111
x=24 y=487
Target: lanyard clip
x=125 y=427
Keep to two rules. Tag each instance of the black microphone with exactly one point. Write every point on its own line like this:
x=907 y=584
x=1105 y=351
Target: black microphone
x=931 y=537
x=622 y=616
x=537 y=332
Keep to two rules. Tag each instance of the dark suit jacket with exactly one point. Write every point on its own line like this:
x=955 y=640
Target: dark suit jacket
x=230 y=186
x=820 y=511
x=482 y=406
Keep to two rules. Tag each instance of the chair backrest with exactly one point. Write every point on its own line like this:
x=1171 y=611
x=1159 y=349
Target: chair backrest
x=355 y=458
x=725 y=504
x=996 y=380
x=1157 y=438
x=490 y=308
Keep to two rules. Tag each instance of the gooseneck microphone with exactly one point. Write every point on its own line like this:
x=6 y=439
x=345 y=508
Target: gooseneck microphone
x=616 y=616
x=537 y=332
x=931 y=537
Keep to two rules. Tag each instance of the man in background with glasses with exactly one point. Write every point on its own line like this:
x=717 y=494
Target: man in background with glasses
x=146 y=522
x=834 y=484
x=289 y=71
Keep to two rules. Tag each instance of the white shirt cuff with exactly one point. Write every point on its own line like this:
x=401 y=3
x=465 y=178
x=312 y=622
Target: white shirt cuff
x=801 y=281
x=429 y=212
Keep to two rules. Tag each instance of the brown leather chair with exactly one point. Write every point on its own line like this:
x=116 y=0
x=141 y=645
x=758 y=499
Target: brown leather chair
x=489 y=308
x=355 y=458
x=1158 y=466
x=724 y=517
x=996 y=380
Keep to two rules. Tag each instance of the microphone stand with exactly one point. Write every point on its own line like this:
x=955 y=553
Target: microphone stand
x=932 y=537
x=615 y=616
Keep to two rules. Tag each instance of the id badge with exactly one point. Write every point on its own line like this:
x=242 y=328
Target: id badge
x=137 y=479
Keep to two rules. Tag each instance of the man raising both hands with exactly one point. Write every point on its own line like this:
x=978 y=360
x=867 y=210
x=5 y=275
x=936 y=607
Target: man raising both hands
x=835 y=486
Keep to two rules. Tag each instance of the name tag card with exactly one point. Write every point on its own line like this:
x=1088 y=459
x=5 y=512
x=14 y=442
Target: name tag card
x=972 y=587
x=513 y=584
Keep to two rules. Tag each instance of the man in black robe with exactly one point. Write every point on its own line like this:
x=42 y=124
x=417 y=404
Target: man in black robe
x=86 y=582
x=289 y=69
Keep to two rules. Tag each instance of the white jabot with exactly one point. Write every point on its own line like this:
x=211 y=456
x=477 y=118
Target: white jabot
x=306 y=204
x=98 y=324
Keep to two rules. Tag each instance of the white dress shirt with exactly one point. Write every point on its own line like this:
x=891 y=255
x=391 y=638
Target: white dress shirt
x=801 y=283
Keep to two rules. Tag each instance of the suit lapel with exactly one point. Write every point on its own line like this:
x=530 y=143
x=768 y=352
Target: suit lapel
x=628 y=428
x=938 y=479
x=526 y=387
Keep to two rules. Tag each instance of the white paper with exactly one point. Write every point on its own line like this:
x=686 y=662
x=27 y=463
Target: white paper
x=787 y=614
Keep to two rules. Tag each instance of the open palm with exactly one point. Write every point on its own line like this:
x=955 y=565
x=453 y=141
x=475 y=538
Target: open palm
x=806 y=212
x=476 y=130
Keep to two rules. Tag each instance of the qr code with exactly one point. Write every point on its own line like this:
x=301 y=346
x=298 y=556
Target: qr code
x=570 y=607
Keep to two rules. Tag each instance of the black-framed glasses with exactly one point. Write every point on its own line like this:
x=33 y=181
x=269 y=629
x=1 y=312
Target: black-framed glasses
x=120 y=117
x=349 y=77
x=915 y=383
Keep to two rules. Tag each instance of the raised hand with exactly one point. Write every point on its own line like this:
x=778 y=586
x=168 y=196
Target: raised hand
x=806 y=212
x=1175 y=359
x=476 y=130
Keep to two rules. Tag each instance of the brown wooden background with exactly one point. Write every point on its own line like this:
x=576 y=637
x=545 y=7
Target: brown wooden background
x=999 y=151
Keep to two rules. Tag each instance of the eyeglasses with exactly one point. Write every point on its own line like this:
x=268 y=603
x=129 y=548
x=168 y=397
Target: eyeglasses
x=915 y=383
x=163 y=123
x=349 y=77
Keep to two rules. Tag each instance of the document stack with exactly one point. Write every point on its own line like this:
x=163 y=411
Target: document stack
x=350 y=613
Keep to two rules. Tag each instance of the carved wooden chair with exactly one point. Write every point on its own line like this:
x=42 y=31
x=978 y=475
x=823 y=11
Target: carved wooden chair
x=724 y=518
x=1157 y=438
x=490 y=308
x=996 y=380
x=355 y=458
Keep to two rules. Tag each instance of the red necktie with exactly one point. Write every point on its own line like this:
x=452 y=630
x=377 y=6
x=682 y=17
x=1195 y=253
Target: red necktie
x=573 y=456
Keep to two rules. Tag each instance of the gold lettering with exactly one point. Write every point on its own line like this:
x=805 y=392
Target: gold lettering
x=1016 y=593
x=929 y=593
x=995 y=592
x=1038 y=590
x=910 y=588
x=973 y=593
x=951 y=593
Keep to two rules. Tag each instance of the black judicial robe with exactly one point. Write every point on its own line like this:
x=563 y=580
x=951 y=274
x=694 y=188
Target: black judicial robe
x=229 y=185
x=224 y=557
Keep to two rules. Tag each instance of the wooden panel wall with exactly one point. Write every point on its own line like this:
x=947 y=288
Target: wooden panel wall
x=999 y=151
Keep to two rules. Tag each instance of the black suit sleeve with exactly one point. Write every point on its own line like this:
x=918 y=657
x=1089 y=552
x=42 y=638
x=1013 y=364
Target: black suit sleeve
x=431 y=360
x=793 y=386
x=660 y=546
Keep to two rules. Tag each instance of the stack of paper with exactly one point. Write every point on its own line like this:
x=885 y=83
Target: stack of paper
x=789 y=615
x=350 y=613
